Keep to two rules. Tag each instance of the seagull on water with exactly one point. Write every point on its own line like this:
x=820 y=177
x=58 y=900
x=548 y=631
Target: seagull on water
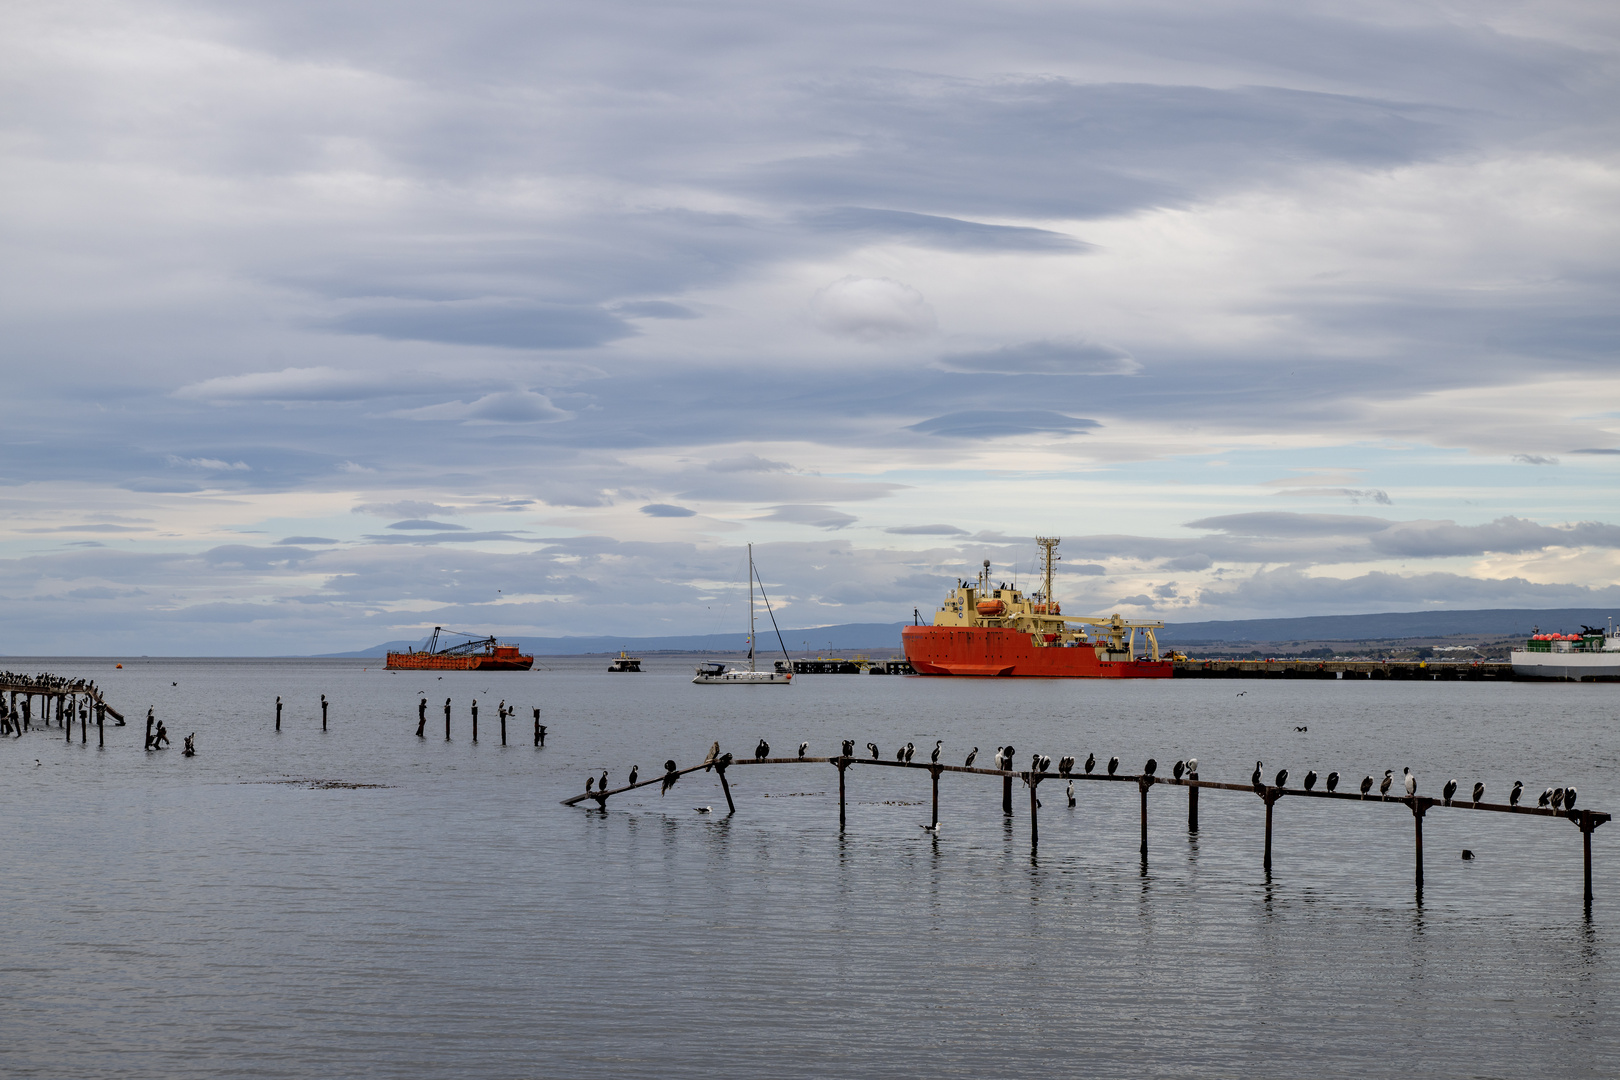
x=703 y=809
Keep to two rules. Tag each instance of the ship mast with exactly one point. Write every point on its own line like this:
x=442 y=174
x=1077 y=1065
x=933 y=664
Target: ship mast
x=1047 y=544
x=750 y=607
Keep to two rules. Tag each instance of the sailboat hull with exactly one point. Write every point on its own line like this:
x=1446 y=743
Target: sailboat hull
x=744 y=678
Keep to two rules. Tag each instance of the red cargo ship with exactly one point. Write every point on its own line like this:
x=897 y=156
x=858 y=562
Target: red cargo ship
x=478 y=654
x=988 y=629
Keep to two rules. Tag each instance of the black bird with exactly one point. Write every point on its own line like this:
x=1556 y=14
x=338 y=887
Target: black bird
x=1518 y=790
x=1091 y=763
x=762 y=751
x=669 y=778
x=872 y=746
x=1177 y=769
x=1467 y=855
x=1479 y=793
x=900 y=754
x=1366 y=785
x=1558 y=799
x=849 y=747
x=1546 y=797
x=1301 y=727
x=1310 y=780
x=909 y=751
x=1282 y=777
x=601 y=785
x=1569 y=798
x=1151 y=767
x=802 y=748
x=590 y=781
x=1447 y=791
x=1384 y=784
x=1113 y=766
x=634 y=772
x=973 y=753
x=1254 y=777
x=934 y=757
x=1046 y=763
x=1333 y=781
x=1066 y=764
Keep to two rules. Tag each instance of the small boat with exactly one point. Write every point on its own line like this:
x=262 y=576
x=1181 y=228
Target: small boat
x=625 y=662
x=477 y=654
x=717 y=673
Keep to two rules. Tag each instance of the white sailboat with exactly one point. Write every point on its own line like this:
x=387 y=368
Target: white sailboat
x=716 y=673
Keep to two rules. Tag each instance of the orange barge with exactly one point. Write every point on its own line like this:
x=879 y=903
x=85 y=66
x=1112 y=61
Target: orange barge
x=988 y=629
x=477 y=654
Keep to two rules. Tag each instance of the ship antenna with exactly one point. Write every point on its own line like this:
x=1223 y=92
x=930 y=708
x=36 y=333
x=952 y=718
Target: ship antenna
x=1047 y=544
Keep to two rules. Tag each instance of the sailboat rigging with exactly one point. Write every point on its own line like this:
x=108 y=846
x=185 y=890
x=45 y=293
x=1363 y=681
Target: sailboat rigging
x=716 y=673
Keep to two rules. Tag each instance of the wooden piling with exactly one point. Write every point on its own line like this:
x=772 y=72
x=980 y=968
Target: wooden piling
x=278 y=712
x=1269 y=802
x=1418 y=808
x=843 y=763
x=1192 y=803
x=935 y=823
x=1006 y=781
x=446 y=719
x=101 y=726
x=1145 y=783
x=1034 y=812
x=503 y=727
x=725 y=786
x=475 y=719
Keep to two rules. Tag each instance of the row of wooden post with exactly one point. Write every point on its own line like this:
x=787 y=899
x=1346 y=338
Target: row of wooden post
x=67 y=709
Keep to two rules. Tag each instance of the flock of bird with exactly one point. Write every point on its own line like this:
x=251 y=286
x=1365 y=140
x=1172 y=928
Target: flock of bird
x=1557 y=799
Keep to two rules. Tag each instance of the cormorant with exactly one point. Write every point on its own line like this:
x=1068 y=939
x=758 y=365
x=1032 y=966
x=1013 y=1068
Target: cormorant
x=762 y=751
x=1177 y=769
x=1333 y=781
x=1518 y=790
x=1447 y=791
x=1546 y=797
x=802 y=748
x=635 y=770
x=1569 y=797
x=872 y=746
x=900 y=754
x=934 y=757
x=1066 y=764
x=909 y=751
x=1366 y=785
x=1091 y=763
x=1071 y=792
x=1192 y=765
x=1113 y=765
x=849 y=747
x=1558 y=799
x=1001 y=758
x=1411 y=781
x=1254 y=777
x=590 y=781
x=601 y=785
x=1046 y=763
x=1479 y=793
x=1384 y=784
x=1282 y=777
x=1310 y=780
x=973 y=753
x=1151 y=767
x=1467 y=855
x=670 y=777
x=714 y=752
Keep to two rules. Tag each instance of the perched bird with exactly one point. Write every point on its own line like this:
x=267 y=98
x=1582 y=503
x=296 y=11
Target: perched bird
x=1479 y=793
x=1447 y=791
x=1046 y=763
x=1071 y=792
x=670 y=777
x=802 y=748
x=872 y=746
x=1035 y=763
x=1091 y=763
x=634 y=770
x=1366 y=785
x=1384 y=784
x=1066 y=764
x=714 y=752
x=1333 y=781
x=1151 y=767
x=1411 y=781
x=1113 y=766
x=1310 y=780
x=1254 y=777
x=589 y=782
x=1467 y=855
x=601 y=785
x=1546 y=797
x=934 y=757
x=1558 y=799
x=1177 y=769
x=762 y=751
x=1001 y=759
x=1569 y=798
x=973 y=753
x=909 y=751
x=1518 y=790
x=1192 y=765
x=849 y=747
x=1282 y=777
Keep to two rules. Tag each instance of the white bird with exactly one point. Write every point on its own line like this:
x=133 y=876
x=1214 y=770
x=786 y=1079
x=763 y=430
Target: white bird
x=1071 y=792
x=1411 y=782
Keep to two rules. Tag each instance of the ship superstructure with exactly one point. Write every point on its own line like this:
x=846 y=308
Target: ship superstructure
x=990 y=628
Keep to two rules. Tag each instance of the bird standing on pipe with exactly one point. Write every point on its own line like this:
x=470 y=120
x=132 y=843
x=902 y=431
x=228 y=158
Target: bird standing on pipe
x=1310 y=780
x=802 y=748
x=938 y=745
x=1411 y=782
x=1333 y=781
x=1091 y=763
x=872 y=746
x=1384 y=785
x=762 y=751
x=670 y=777
x=968 y=764
x=1113 y=766
x=1516 y=793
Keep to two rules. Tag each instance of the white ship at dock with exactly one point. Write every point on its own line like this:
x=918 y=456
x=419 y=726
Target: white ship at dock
x=1593 y=655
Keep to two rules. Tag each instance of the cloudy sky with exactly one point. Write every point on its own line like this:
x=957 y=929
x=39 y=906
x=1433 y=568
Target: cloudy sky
x=325 y=323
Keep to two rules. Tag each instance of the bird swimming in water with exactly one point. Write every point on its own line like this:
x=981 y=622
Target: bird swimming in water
x=1177 y=769
x=1479 y=793
x=1411 y=782
x=1569 y=798
x=938 y=745
x=1071 y=792
x=1384 y=784
x=1546 y=797
x=1366 y=785
x=670 y=777
x=1282 y=777
x=1113 y=766
x=802 y=748
x=634 y=771
x=703 y=809
x=1518 y=790
x=909 y=751
x=762 y=751
x=1333 y=781
x=1254 y=777
x=1310 y=780
x=714 y=752
x=973 y=753
x=1151 y=767
x=872 y=746
x=1467 y=855
x=1091 y=763
x=1447 y=791
x=590 y=781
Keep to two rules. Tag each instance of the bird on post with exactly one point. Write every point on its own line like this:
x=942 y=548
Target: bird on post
x=1151 y=767
x=968 y=764
x=1091 y=763
x=1558 y=799
x=1310 y=780
x=1177 y=769
x=762 y=751
x=1384 y=784
x=802 y=748
x=1192 y=765
x=1001 y=759
x=714 y=752
x=1411 y=781
x=1333 y=781
x=1546 y=797
x=670 y=777
x=849 y=747
x=1046 y=763
x=1479 y=793
x=1518 y=790
x=1366 y=785
x=1282 y=777
x=1569 y=797
x=1113 y=766
x=938 y=745
x=1254 y=777
x=1066 y=764
x=635 y=770
x=909 y=751
x=589 y=782
x=1447 y=791
x=872 y=746
x=601 y=785
x=1071 y=792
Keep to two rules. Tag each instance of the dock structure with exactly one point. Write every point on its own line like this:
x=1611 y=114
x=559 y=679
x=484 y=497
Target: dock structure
x=1585 y=820
x=1286 y=668
x=73 y=698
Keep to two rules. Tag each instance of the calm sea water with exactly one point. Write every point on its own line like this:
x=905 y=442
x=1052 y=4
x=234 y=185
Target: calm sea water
x=229 y=915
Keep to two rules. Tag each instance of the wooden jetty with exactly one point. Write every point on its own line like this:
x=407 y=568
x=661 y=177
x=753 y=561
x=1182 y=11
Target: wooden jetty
x=66 y=694
x=1587 y=821
x=1415 y=670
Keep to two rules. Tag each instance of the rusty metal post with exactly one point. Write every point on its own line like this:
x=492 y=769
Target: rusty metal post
x=1269 y=802
x=935 y=823
x=1006 y=781
x=1144 y=783
x=503 y=727
x=1586 y=842
x=1192 y=803
x=101 y=725
x=725 y=787
x=1418 y=809
x=68 y=726
x=842 y=763
x=1034 y=816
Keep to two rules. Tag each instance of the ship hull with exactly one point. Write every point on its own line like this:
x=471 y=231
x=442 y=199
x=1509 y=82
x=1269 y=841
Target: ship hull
x=434 y=662
x=1567 y=666
x=1007 y=653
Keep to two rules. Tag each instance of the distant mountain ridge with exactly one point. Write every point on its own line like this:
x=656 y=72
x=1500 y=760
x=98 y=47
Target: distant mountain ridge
x=851 y=636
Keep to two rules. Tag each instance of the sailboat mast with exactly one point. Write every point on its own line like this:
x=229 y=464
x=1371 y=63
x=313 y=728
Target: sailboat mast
x=750 y=607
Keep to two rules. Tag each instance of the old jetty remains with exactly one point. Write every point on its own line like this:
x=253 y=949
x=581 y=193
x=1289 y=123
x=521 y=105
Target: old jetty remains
x=1409 y=670
x=1587 y=821
x=71 y=697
